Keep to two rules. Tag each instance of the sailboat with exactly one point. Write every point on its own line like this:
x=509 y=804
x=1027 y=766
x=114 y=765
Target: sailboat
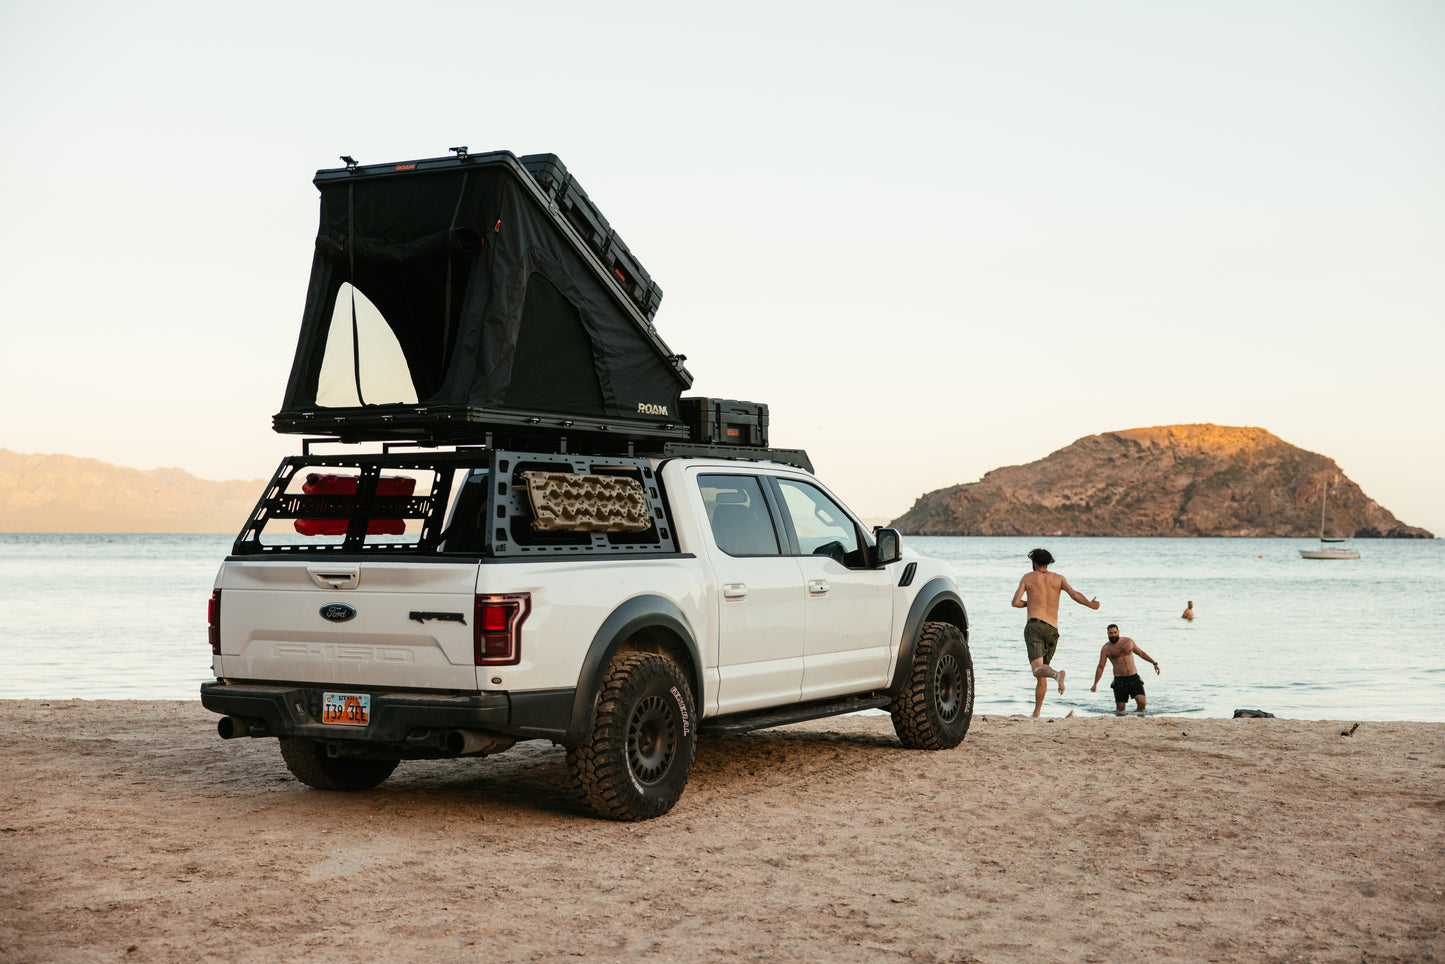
x=1326 y=550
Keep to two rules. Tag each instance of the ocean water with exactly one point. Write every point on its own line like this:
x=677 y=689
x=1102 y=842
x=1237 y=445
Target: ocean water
x=1307 y=639
x=124 y=617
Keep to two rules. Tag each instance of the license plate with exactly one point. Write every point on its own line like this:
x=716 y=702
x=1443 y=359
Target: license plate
x=346 y=709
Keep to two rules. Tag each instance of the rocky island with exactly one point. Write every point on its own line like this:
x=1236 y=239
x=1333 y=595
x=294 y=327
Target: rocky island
x=1169 y=480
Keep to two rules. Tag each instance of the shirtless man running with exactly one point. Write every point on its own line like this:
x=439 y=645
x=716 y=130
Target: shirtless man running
x=1039 y=592
x=1120 y=651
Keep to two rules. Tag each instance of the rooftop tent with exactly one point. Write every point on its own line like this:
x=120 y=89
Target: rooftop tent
x=450 y=297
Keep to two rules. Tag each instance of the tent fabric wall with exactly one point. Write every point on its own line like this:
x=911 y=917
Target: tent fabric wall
x=493 y=304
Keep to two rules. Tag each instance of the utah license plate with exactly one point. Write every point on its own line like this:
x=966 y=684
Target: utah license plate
x=346 y=709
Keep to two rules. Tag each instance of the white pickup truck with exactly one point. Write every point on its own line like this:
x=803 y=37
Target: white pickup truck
x=442 y=604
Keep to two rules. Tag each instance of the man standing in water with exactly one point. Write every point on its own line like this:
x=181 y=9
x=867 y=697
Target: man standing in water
x=1039 y=592
x=1120 y=651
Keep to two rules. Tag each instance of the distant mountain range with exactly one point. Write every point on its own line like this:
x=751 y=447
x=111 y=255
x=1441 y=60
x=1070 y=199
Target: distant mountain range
x=1170 y=480
x=61 y=493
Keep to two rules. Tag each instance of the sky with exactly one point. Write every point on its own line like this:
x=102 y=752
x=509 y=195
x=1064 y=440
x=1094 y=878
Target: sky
x=935 y=238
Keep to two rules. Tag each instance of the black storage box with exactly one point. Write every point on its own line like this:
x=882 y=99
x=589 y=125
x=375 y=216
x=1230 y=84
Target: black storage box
x=726 y=421
x=552 y=176
x=453 y=297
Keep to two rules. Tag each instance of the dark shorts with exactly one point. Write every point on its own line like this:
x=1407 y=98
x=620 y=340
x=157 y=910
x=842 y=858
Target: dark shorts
x=1127 y=687
x=1041 y=639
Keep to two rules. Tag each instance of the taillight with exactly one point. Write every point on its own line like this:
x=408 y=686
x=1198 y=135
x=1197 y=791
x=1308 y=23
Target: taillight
x=213 y=617
x=497 y=629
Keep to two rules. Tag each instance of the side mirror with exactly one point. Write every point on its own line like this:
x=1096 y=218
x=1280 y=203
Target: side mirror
x=889 y=548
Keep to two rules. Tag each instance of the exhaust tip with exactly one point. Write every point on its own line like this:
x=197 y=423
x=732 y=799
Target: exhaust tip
x=475 y=742
x=231 y=727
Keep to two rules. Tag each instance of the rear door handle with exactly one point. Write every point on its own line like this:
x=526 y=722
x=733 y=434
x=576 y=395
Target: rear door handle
x=334 y=577
x=817 y=587
x=735 y=590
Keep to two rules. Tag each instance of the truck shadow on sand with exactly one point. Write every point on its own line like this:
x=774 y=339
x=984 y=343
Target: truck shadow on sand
x=531 y=780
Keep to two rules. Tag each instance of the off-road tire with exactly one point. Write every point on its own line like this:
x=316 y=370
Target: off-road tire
x=308 y=762
x=935 y=706
x=635 y=762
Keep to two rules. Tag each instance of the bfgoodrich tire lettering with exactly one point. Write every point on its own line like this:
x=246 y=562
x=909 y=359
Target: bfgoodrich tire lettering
x=933 y=709
x=308 y=762
x=635 y=762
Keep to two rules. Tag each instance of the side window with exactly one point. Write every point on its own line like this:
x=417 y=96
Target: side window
x=820 y=524
x=741 y=523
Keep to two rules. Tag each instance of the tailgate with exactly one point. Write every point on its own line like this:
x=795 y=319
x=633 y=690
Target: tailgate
x=385 y=624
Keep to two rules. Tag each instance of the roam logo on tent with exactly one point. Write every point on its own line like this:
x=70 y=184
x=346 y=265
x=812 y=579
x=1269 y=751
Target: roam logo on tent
x=647 y=408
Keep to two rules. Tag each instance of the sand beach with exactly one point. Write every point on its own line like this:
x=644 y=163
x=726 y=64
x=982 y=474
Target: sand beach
x=130 y=832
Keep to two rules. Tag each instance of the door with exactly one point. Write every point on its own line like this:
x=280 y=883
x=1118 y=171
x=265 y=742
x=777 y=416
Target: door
x=848 y=606
x=759 y=597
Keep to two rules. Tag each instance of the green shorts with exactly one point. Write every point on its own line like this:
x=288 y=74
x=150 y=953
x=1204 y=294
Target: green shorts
x=1041 y=640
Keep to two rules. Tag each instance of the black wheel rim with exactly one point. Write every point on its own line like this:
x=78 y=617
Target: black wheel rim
x=651 y=739
x=948 y=688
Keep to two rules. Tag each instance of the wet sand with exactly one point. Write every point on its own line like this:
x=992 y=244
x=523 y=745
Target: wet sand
x=130 y=832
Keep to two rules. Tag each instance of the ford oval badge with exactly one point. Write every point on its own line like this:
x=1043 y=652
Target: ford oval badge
x=337 y=612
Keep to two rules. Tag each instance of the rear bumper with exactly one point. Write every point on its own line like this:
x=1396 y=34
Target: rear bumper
x=397 y=718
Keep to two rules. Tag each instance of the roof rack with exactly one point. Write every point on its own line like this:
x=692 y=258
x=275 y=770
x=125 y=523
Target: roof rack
x=562 y=445
x=795 y=457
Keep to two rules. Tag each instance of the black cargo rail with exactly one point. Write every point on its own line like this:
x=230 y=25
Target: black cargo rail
x=491 y=515
x=359 y=509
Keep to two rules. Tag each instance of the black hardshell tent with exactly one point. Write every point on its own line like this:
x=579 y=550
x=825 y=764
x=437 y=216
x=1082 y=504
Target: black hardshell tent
x=449 y=297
